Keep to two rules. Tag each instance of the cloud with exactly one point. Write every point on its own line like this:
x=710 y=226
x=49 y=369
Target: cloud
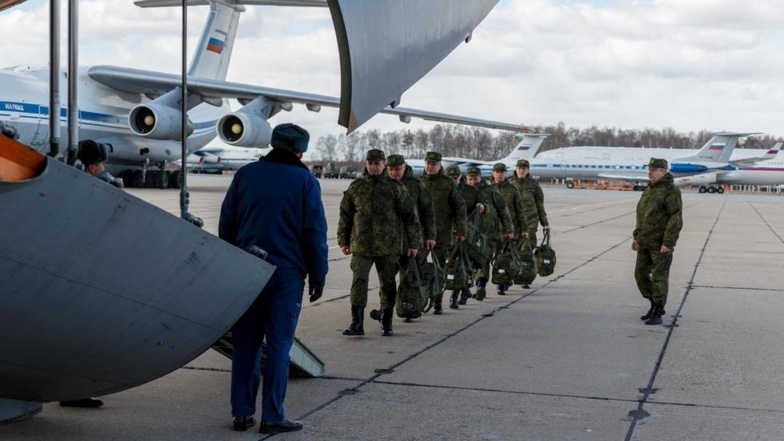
x=690 y=65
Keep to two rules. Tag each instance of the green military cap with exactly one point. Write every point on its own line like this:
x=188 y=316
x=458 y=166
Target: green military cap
x=395 y=160
x=375 y=155
x=473 y=171
x=523 y=163
x=433 y=156
x=658 y=162
x=499 y=166
x=453 y=171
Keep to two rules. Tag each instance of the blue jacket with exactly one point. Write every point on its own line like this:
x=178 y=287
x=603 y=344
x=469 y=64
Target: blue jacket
x=275 y=203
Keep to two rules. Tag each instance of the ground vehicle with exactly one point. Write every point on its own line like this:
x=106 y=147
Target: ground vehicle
x=347 y=172
x=330 y=171
x=317 y=170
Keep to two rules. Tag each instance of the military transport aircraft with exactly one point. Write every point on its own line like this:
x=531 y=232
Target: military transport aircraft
x=137 y=112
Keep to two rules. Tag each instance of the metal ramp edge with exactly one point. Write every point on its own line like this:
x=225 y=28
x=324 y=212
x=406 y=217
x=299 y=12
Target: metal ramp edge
x=304 y=362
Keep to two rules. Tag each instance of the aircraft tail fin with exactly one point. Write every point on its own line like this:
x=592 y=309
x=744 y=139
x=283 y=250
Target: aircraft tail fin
x=213 y=53
x=527 y=148
x=718 y=149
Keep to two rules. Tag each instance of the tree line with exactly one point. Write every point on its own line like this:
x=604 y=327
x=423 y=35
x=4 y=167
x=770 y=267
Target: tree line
x=483 y=144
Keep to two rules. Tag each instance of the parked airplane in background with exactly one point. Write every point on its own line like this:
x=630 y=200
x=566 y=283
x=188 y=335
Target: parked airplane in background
x=762 y=173
x=527 y=148
x=138 y=113
x=632 y=163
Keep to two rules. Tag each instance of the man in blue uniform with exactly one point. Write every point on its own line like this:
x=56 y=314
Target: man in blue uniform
x=276 y=205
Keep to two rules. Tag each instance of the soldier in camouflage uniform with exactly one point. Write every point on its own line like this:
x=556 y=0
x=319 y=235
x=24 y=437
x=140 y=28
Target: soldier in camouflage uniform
x=402 y=172
x=533 y=201
x=450 y=210
x=471 y=196
x=514 y=201
x=371 y=213
x=659 y=223
x=496 y=221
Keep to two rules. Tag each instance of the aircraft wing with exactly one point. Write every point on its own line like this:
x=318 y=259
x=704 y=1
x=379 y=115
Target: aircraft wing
x=392 y=45
x=156 y=84
x=628 y=176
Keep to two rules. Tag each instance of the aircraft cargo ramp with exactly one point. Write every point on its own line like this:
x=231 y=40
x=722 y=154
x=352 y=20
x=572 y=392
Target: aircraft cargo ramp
x=101 y=291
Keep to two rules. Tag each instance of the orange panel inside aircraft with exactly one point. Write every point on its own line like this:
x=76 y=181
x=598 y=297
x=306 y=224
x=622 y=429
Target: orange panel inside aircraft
x=18 y=162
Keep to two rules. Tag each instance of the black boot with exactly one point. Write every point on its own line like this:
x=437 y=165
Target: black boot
x=656 y=317
x=481 y=292
x=650 y=311
x=501 y=290
x=357 y=317
x=437 y=309
x=386 y=322
x=453 y=300
x=465 y=294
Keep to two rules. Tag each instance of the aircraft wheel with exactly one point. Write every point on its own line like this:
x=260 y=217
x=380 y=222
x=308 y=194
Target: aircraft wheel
x=711 y=190
x=720 y=190
x=175 y=181
x=151 y=178
x=127 y=177
x=703 y=189
x=569 y=184
x=160 y=179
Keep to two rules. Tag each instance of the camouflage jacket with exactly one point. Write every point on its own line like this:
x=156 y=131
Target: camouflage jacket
x=659 y=219
x=449 y=207
x=424 y=204
x=470 y=195
x=496 y=212
x=515 y=204
x=371 y=213
x=533 y=201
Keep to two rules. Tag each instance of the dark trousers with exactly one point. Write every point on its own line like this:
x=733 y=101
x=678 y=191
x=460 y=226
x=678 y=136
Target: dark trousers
x=273 y=314
x=652 y=273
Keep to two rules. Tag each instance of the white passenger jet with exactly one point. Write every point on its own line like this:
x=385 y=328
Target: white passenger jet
x=761 y=173
x=137 y=113
x=626 y=163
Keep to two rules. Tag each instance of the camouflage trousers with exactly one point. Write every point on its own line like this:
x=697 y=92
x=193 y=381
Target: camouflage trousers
x=386 y=267
x=440 y=254
x=652 y=273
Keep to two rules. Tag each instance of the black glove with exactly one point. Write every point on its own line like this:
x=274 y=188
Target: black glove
x=315 y=292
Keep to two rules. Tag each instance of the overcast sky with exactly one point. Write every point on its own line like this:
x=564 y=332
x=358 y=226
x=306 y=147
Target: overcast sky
x=685 y=64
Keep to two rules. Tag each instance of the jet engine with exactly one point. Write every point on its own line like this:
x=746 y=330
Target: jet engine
x=244 y=130
x=158 y=122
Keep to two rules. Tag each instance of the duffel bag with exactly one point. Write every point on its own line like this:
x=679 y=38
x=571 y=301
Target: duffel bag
x=527 y=272
x=545 y=256
x=479 y=248
x=506 y=263
x=412 y=292
x=433 y=275
x=457 y=269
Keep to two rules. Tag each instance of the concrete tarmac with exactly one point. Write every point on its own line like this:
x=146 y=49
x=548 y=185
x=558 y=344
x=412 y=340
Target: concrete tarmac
x=568 y=359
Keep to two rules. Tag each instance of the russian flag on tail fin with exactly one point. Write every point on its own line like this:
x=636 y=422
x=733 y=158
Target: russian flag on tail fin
x=717 y=146
x=215 y=45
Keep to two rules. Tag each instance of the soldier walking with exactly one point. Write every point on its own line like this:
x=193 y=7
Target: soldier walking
x=495 y=215
x=450 y=211
x=514 y=201
x=371 y=213
x=533 y=201
x=659 y=223
x=471 y=196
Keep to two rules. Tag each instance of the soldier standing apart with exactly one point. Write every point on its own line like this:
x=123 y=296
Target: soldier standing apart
x=450 y=209
x=471 y=196
x=514 y=201
x=533 y=201
x=402 y=172
x=495 y=215
x=93 y=155
x=371 y=213
x=658 y=226
x=275 y=204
